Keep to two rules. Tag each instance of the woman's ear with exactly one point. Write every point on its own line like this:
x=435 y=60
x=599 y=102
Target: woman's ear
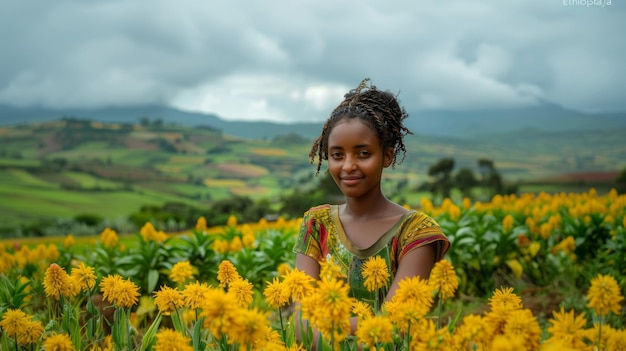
x=388 y=157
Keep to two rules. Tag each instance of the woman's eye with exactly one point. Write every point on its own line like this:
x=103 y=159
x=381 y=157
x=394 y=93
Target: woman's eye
x=364 y=154
x=335 y=155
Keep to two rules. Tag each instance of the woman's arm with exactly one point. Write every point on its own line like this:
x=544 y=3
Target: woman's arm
x=417 y=262
x=308 y=265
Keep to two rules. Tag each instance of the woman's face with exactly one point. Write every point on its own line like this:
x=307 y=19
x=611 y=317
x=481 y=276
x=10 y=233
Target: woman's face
x=355 y=157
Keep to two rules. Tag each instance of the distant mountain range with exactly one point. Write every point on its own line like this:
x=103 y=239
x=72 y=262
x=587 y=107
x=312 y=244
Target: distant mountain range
x=456 y=124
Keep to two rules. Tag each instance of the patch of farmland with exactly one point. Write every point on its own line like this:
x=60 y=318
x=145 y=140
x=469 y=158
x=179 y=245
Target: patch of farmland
x=242 y=170
x=187 y=160
x=251 y=191
x=267 y=151
x=224 y=183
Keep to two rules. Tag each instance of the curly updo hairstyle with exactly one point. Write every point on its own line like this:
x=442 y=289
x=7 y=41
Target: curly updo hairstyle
x=380 y=110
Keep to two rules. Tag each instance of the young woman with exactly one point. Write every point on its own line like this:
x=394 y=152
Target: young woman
x=363 y=136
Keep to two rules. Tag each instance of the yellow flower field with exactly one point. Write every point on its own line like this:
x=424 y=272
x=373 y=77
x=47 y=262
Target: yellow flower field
x=233 y=287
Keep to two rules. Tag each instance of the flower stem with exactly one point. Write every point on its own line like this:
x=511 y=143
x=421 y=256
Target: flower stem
x=439 y=308
x=600 y=332
x=282 y=327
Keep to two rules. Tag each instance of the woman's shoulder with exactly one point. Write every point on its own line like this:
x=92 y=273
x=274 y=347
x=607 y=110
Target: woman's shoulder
x=416 y=219
x=319 y=210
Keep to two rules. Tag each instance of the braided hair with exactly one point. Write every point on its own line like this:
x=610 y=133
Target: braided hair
x=380 y=110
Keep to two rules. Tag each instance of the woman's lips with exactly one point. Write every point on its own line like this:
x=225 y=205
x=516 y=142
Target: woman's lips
x=350 y=180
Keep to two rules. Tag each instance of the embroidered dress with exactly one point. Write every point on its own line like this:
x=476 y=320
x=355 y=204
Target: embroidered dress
x=322 y=237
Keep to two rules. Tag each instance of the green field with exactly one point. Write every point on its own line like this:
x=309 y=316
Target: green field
x=65 y=168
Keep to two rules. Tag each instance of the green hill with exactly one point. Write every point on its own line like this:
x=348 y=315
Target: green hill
x=62 y=168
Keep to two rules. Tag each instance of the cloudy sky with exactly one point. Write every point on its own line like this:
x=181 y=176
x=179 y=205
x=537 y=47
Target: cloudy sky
x=293 y=60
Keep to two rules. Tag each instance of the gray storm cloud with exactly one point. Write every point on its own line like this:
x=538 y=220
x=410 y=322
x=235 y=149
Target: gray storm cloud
x=292 y=61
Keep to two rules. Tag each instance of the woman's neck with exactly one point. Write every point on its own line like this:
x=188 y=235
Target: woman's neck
x=371 y=207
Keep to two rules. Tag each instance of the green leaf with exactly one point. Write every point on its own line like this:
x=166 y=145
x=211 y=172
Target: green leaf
x=148 y=337
x=153 y=278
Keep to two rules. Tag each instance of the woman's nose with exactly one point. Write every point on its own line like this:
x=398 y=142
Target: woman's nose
x=349 y=163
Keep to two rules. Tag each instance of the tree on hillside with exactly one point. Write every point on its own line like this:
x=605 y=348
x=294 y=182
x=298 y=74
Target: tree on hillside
x=490 y=177
x=465 y=181
x=620 y=182
x=442 y=172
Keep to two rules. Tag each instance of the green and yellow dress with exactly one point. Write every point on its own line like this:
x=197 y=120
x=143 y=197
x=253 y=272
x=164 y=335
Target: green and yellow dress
x=322 y=237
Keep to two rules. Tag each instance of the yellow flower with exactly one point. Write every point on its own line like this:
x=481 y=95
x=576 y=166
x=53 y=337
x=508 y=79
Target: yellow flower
x=566 y=245
x=523 y=322
x=58 y=342
x=235 y=244
x=362 y=309
x=474 y=331
x=149 y=233
x=241 y=289
x=108 y=286
x=51 y=253
x=534 y=248
x=507 y=223
x=73 y=286
x=545 y=230
x=248 y=240
x=502 y=304
x=168 y=300
x=201 y=224
x=251 y=329
x=56 y=282
x=374 y=330
x=109 y=238
x=604 y=295
x=7 y=261
x=220 y=311
x=616 y=341
x=232 y=221
x=275 y=294
x=467 y=203
x=220 y=246
x=415 y=290
x=181 y=272
x=328 y=309
x=427 y=205
x=194 y=294
x=68 y=241
x=31 y=333
x=298 y=284
x=329 y=270
x=508 y=343
x=272 y=341
x=284 y=268
x=515 y=267
x=404 y=314
x=425 y=336
x=443 y=279
x=455 y=212
x=568 y=328
x=505 y=299
x=375 y=273
x=553 y=345
x=227 y=273
x=85 y=276
x=14 y=322
x=189 y=316
x=122 y=293
x=171 y=340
